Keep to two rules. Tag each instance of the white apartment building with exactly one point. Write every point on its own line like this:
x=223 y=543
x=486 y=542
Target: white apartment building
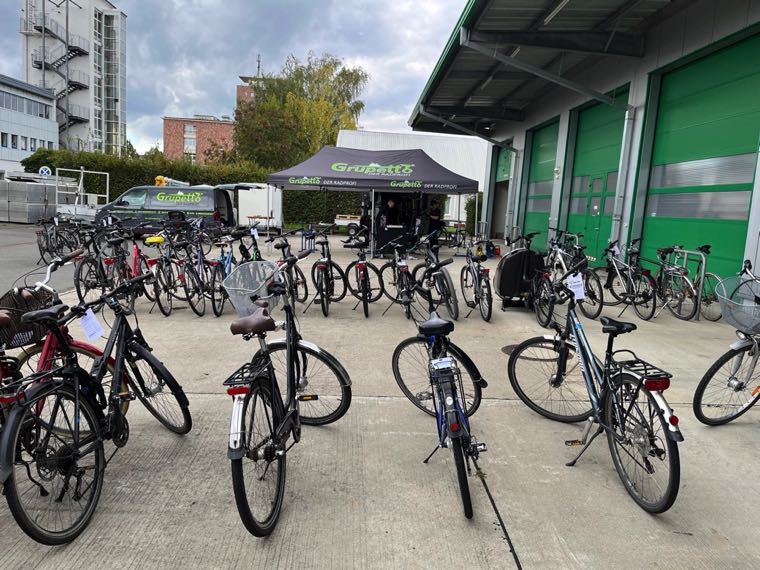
x=84 y=43
x=27 y=122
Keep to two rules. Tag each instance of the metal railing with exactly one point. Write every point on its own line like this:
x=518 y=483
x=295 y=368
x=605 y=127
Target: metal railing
x=696 y=257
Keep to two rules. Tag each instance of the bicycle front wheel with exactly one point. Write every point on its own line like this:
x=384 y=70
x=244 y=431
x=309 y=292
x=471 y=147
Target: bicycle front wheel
x=464 y=486
x=162 y=287
x=728 y=389
x=468 y=283
x=710 y=307
x=644 y=296
x=486 y=299
x=376 y=283
x=338 y=289
x=56 y=478
x=533 y=370
x=159 y=391
x=592 y=304
x=410 y=363
x=218 y=293
x=683 y=301
x=448 y=294
x=300 y=286
x=543 y=301
x=89 y=282
x=645 y=458
x=258 y=477
x=196 y=298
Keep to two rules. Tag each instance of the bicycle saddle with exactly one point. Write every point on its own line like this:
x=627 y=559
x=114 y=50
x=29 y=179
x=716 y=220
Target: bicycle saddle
x=280 y=245
x=50 y=314
x=153 y=240
x=480 y=258
x=115 y=241
x=613 y=327
x=704 y=249
x=321 y=242
x=6 y=320
x=181 y=244
x=257 y=323
x=435 y=326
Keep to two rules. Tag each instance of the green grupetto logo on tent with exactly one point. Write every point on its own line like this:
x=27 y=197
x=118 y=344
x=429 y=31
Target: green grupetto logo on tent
x=374 y=168
x=406 y=184
x=305 y=180
x=187 y=197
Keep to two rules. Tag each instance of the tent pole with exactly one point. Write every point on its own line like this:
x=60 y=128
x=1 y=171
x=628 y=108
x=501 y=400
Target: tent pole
x=372 y=228
x=476 y=216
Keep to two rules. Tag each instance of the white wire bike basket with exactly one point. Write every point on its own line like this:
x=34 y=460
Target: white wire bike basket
x=740 y=303
x=249 y=282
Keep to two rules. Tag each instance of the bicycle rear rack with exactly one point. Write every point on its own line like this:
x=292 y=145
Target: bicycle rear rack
x=638 y=367
x=246 y=374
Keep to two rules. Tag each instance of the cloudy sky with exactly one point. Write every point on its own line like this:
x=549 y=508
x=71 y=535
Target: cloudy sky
x=184 y=56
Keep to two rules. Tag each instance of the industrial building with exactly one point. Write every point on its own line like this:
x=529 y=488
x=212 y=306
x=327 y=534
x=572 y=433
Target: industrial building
x=79 y=50
x=190 y=138
x=617 y=119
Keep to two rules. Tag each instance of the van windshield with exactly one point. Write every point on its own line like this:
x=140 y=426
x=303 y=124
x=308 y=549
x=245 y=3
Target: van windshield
x=180 y=199
x=134 y=198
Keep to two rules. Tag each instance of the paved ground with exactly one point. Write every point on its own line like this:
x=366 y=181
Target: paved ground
x=358 y=495
x=19 y=255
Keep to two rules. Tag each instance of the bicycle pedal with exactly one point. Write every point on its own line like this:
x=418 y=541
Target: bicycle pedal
x=126 y=396
x=481 y=447
x=573 y=442
x=308 y=398
x=422 y=396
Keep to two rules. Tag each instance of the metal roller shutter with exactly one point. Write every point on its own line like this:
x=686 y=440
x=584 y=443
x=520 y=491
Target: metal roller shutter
x=543 y=157
x=704 y=156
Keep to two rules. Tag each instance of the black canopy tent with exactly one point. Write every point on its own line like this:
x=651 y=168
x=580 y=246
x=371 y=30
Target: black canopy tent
x=396 y=171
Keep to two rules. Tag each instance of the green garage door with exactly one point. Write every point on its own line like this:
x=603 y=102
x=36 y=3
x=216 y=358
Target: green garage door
x=543 y=157
x=595 y=173
x=704 y=156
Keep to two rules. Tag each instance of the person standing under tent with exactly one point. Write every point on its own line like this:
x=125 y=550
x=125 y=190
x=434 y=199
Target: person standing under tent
x=435 y=220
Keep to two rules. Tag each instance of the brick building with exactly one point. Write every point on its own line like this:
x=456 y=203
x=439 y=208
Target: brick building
x=191 y=137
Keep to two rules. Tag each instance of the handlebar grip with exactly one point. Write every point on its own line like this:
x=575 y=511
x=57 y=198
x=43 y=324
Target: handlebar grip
x=305 y=253
x=68 y=257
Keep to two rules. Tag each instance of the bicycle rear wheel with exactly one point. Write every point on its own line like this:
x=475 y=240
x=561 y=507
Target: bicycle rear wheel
x=728 y=389
x=300 y=287
x=365 y=293
x=467 y=283
x=158 y=391
x=593 y=303
x=644 y=296
x=338 y=281
x=55 y=482
x=376 y=283
x=533 y=373
x=683 y=302
x=218 y=293
x=258 y=477
x=486 y=299
x=89 y=282
x=410 y=363
x=543 y=300
x=144 y=267
x=464 y=486
x=448 y=294
x=322 y=292
x=196 y=298
x=162 y=288
x=645 y=458
x=710 y=307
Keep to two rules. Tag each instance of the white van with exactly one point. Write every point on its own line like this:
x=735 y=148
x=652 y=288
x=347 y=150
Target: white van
x=258 y=202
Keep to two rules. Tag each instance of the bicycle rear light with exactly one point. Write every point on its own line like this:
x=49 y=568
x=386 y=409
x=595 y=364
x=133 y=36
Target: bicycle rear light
x=454 y=426
x=238 y=390
x=657 y=384
x=403 y=269
x=108 y=261
x=673 y=420
x=486 y=271
x=321 y=266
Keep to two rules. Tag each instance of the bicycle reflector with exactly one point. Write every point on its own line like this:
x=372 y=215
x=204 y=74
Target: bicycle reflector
x=238 y=390
x=108 y=261
x=454 y=426
x=673 y=420
x=321 y=266
x=486 y=270
x=657 y=384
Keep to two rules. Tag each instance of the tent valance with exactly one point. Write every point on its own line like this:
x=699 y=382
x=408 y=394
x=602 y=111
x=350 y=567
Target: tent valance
x=336 y=168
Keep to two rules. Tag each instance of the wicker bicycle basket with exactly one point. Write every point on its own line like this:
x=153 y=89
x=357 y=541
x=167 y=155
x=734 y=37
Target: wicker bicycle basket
x=16 y=304
x=249 y=282
x=740 y=303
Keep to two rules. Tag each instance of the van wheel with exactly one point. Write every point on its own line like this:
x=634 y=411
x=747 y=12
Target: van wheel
x=353 y=228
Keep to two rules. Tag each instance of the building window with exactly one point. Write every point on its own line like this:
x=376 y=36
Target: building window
x=32 y=144
x=189 y=143
x=4 y=140
x=190 y=157
x=14 y=141
x=23 y=143
x=50 y=145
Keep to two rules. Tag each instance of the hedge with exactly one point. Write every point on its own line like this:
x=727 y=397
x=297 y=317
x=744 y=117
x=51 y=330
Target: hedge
x=469 y=208
x=126 y=173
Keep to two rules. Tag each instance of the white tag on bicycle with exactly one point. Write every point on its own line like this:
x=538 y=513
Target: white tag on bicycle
x=575 y=284
x=55 y=220
x=255 y=233
x=615 y=250
x=91 y=326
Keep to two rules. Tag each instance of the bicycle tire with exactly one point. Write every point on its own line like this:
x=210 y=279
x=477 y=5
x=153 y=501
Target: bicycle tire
x=687 y=307
x=354 y=285
x=19 y=421
x=389 y=276
x=464 y=486
x=365 y=295
x=89 y=283
x=121 y=274
x=644 y=296
x=260 y=392
x=324 y=295
x=543 y=304
x=644 y=435
x=196 y=298
x=741 y=397
x=147 y=286
x=162 y=287
x=486 y=299
x=417 y=382
x=162 y=378
x=300 y=286
x=406 y=295
x=218 y=293
x=467 y=284
x=574 y=408
x=320 y=370
x=710 y=307
x=449 y=294
x=592 y=304
x=339 y=281
x=42 y=246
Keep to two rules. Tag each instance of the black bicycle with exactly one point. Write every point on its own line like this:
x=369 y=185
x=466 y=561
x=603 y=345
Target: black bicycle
x=52 y=457
x=363 y=278
x=476 y=283
x=439 y=282
x=286 y=383
x=326 y=275
x=560 y=378
x=297 y=287
x=426 y=368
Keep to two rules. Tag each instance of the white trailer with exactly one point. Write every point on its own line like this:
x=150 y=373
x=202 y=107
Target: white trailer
x=258 y=202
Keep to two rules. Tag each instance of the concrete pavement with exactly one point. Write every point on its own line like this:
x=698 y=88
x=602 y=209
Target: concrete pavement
x=358 y=495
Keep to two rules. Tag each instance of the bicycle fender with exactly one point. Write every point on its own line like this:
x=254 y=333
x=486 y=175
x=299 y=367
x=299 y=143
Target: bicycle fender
x=236 y=449
x=280 y=342
x=469 y=363
x=741 y=343
x=674 y=434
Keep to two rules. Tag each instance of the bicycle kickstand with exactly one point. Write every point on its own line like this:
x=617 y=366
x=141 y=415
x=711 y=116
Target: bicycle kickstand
x=582 y=441
x=437 y=447
x=310 y=304
x=393 y=301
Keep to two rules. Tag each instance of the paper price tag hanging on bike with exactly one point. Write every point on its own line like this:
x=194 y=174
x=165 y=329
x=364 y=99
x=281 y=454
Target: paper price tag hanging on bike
x=575 y=284
x=91 y=326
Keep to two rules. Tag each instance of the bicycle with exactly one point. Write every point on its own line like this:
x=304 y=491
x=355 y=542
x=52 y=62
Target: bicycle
x=628 y=283
x=298 y=288
x=624 y=398
x=730 y=387
x=363 y=279
x=52 y=239
x=264 y=416
x=398 y=276
x=168 y=269
x=475 y=282
x=224 y=264
x=439 y=281
x=672 y=285
x=444 y=395
x=709 y=307
x=60 y=419
x=326 y=275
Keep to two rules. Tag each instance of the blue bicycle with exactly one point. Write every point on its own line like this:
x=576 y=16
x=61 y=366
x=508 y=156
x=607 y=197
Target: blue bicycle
x=226 y=262
x=443 y=392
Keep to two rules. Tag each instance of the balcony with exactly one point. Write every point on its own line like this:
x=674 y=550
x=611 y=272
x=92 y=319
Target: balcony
x=78 y=80
x=77 y=114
